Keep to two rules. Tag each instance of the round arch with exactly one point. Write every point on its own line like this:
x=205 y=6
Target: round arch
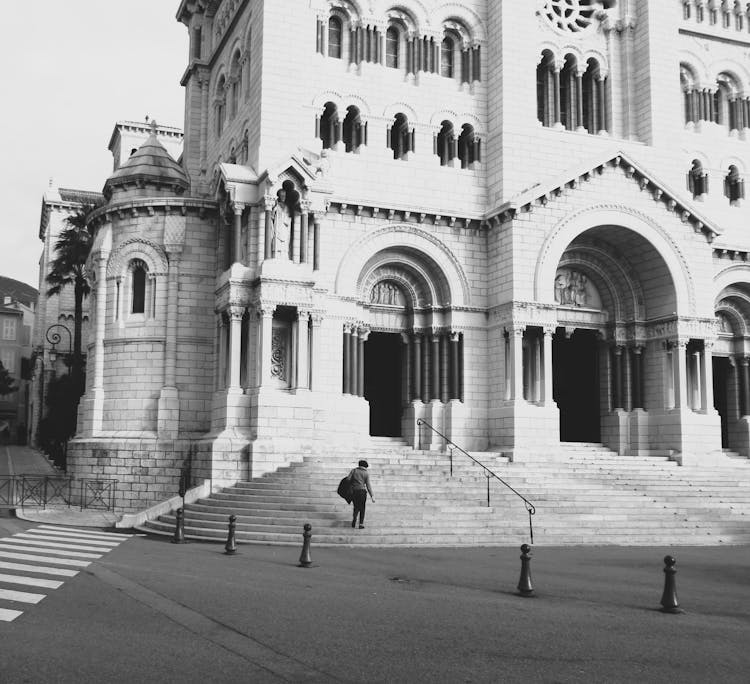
x=568 y=229
x=392 y=238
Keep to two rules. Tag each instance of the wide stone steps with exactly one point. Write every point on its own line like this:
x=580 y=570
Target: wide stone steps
x=583 y=494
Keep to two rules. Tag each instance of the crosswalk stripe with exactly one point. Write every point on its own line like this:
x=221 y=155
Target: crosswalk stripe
x=87 y=533
x=6 y=546
x=43 y=542
x=39 y=569
x=20 y=596
x=9 y=615
x=32 y=534
x=45 y=559
x=30 y=581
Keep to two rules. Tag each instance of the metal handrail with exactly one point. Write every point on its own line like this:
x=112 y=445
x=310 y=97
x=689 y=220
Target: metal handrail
x=488 y=473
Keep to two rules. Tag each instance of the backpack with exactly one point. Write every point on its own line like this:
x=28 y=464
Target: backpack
x=345 y=489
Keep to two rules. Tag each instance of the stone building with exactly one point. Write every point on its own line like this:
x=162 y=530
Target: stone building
x=521 y=222
x=18 y=303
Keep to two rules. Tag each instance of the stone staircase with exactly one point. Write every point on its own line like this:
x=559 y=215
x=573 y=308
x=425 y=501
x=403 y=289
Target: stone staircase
x=583 y=494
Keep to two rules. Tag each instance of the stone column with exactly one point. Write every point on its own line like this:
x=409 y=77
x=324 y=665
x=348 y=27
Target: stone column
x=537 y=374
x=353 y=359
x=97 y=386
x=547 y=361
x=425 y=369
x=637 y=379
x=345 y=360
x=679 y=352
x=305 y=204
x=238 y=209
x=316 y=321
x=579 y=101
x=265 y=335
x=361 y=339
x=694 y=364
x=269 y=202
x=417 y=367
x=745 y=379
x=556 y=107
x=516 y=355
x=235 y=348
x=455 y=339
x=617 y=392
x=707 y=377
x=303 y=350
x=435 y=361
x=406 y=368
x=316 y=246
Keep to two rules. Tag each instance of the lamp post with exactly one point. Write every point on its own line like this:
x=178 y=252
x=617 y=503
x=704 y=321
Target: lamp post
x=54 y=338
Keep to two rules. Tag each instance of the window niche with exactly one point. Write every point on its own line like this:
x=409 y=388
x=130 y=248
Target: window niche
x=329 y=127
x=135 y=294
x=354 y=130
x=697 y=180
x=445 y=144
x=734 y=186
x=401 y=137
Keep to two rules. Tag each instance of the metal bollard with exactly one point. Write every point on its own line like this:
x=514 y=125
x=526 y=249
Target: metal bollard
x=669 y=597
x=230 y=548
x=304 y=560
x=179 y=527
x=524 y=583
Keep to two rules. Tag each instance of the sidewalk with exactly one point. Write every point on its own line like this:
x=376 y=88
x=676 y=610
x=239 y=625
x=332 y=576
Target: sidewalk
x=23 y=460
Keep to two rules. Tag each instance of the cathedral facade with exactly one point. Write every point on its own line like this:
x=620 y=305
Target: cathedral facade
x=518 y=222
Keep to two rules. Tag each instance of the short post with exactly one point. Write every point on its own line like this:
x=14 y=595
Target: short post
x=179 y=527
x=230 y=548
x=304 y=560
x=669 y=597
x=524 y=583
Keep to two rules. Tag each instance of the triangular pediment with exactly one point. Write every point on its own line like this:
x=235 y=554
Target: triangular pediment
x=633 y=171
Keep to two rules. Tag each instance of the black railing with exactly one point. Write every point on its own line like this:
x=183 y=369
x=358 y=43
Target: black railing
x=489 y=474
x=44 y=490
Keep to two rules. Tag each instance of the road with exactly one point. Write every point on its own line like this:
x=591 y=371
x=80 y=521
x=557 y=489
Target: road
x=151 y=611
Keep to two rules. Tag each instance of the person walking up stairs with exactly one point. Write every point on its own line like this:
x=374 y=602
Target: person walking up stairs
x=360 y=479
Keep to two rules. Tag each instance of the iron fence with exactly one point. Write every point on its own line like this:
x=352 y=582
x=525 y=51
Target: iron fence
x=17 y=491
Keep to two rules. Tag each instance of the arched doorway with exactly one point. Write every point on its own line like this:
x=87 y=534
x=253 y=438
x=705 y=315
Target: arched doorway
x=383 y=382
x=611 y=285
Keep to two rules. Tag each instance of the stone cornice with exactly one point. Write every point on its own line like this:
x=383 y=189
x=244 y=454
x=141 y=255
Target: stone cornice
x=405 y=214
x=149 y=205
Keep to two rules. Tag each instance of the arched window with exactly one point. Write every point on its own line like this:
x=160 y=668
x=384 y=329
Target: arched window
x=697 y=180
x=447 y=52
x=329 y=126
x=545 y=90
x=734 y=186
x=138 y=288
x=569 y=94
x=446 y=143
x=468 y=146
x=335 y=35
x=392 y=47
x=236 y=84
x=725 y=102
x=353 y=129
x=401 y=138
x=593 y=95
x=689 y=95
x=220 y=106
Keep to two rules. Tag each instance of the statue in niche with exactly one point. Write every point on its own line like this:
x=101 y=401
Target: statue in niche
x=571 y=289
x=724 y=326
x=281 y=221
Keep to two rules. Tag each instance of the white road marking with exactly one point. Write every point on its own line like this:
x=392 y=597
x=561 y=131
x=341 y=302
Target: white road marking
x=39 y=569
x=54 y=545
x=30 y=581
x=9 y=615
x=45 y=559
x=7 y=546
x=20 y=596
x=86 y=533
x=32 y=534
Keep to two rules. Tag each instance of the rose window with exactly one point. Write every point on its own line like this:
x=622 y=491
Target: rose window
x=570 y=15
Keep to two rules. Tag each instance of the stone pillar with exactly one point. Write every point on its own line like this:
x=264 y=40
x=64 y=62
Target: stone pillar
x=353 y=359
x=265 y=335
x=97 y=386
x=345 y=359
x=361 y=339
x=695 y=372
x=707 y=377
x=617 y=392
x=406 y=368
x=269 y=202
x=238 y=209
x=435 y=362
x=547 y=361
x=316 y=246
x=637 y=379
x=417 y=367
x=303 y=350
x=516 y=354
x=455 y=339
x=745 y=379
x=303 y=231
x=557 y=110
x=235 y=348
x=579 y=102
x=425 y=370
x=537 y=374
x=679 y=355
x=315 y=353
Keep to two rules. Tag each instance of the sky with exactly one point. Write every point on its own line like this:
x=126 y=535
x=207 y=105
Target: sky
x=73 y=69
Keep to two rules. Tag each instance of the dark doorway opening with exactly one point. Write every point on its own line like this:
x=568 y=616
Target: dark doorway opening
x=575 y=385
x=383 y=383
x=721 y=370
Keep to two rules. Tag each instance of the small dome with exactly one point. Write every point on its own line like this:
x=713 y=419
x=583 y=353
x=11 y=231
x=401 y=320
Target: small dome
x=150 y=164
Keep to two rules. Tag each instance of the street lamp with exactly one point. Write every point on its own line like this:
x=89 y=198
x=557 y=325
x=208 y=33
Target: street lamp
x=53 y=337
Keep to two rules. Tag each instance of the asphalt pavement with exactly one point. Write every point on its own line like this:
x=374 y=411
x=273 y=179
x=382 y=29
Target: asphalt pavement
x=153 y=611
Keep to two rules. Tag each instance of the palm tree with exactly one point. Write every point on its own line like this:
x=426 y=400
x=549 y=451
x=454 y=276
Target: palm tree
x=69 y=268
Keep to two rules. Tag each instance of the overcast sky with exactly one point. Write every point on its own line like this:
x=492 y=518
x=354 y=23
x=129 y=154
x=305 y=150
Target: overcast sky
x=74 y=68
